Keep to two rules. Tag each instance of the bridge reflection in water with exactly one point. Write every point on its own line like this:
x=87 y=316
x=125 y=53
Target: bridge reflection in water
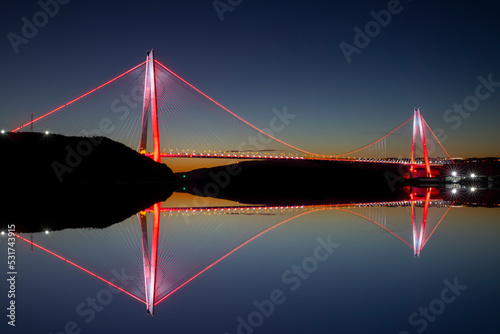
x=162 y=249
x=186 y=242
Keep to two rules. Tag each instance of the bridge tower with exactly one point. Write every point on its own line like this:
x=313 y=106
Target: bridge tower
x=150 y=103
x=150 y=259
x=417 y=126
x=418 y=233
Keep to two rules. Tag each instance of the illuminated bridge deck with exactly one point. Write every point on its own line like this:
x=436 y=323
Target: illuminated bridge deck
x=285 y=157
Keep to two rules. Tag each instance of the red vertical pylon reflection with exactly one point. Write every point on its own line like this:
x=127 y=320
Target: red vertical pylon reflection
x=424 y=220
x=414 y=230
x=418 y=237
x=154 y=258
x=145 y=255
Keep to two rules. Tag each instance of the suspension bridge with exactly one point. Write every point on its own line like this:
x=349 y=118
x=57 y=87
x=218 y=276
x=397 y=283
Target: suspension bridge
x=187 y=123
x=151 y=99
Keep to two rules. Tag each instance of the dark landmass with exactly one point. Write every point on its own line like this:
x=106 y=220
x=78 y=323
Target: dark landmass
x=86 y=206
x=56 y=182
x=56 y=160
x=457 y=180
x=298 y=182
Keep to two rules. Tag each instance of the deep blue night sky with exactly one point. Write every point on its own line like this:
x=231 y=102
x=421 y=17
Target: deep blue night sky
x=267 y=55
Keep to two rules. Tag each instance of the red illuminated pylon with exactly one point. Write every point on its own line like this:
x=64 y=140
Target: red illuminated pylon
x=150 y=261
x=418 y=126
x=150 y=100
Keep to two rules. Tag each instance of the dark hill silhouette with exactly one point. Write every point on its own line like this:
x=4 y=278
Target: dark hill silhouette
x=56 y=160
x=297 y=182
x=53 y=181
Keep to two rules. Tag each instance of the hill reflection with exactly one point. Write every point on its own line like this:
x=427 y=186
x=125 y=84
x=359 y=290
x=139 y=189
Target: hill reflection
x=167 y=245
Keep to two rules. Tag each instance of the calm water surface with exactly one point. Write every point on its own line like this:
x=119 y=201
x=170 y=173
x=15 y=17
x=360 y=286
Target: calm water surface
x=324 y=271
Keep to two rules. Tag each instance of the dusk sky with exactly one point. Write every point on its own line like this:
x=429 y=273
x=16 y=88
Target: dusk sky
x=350 y=72
x=253 y=56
